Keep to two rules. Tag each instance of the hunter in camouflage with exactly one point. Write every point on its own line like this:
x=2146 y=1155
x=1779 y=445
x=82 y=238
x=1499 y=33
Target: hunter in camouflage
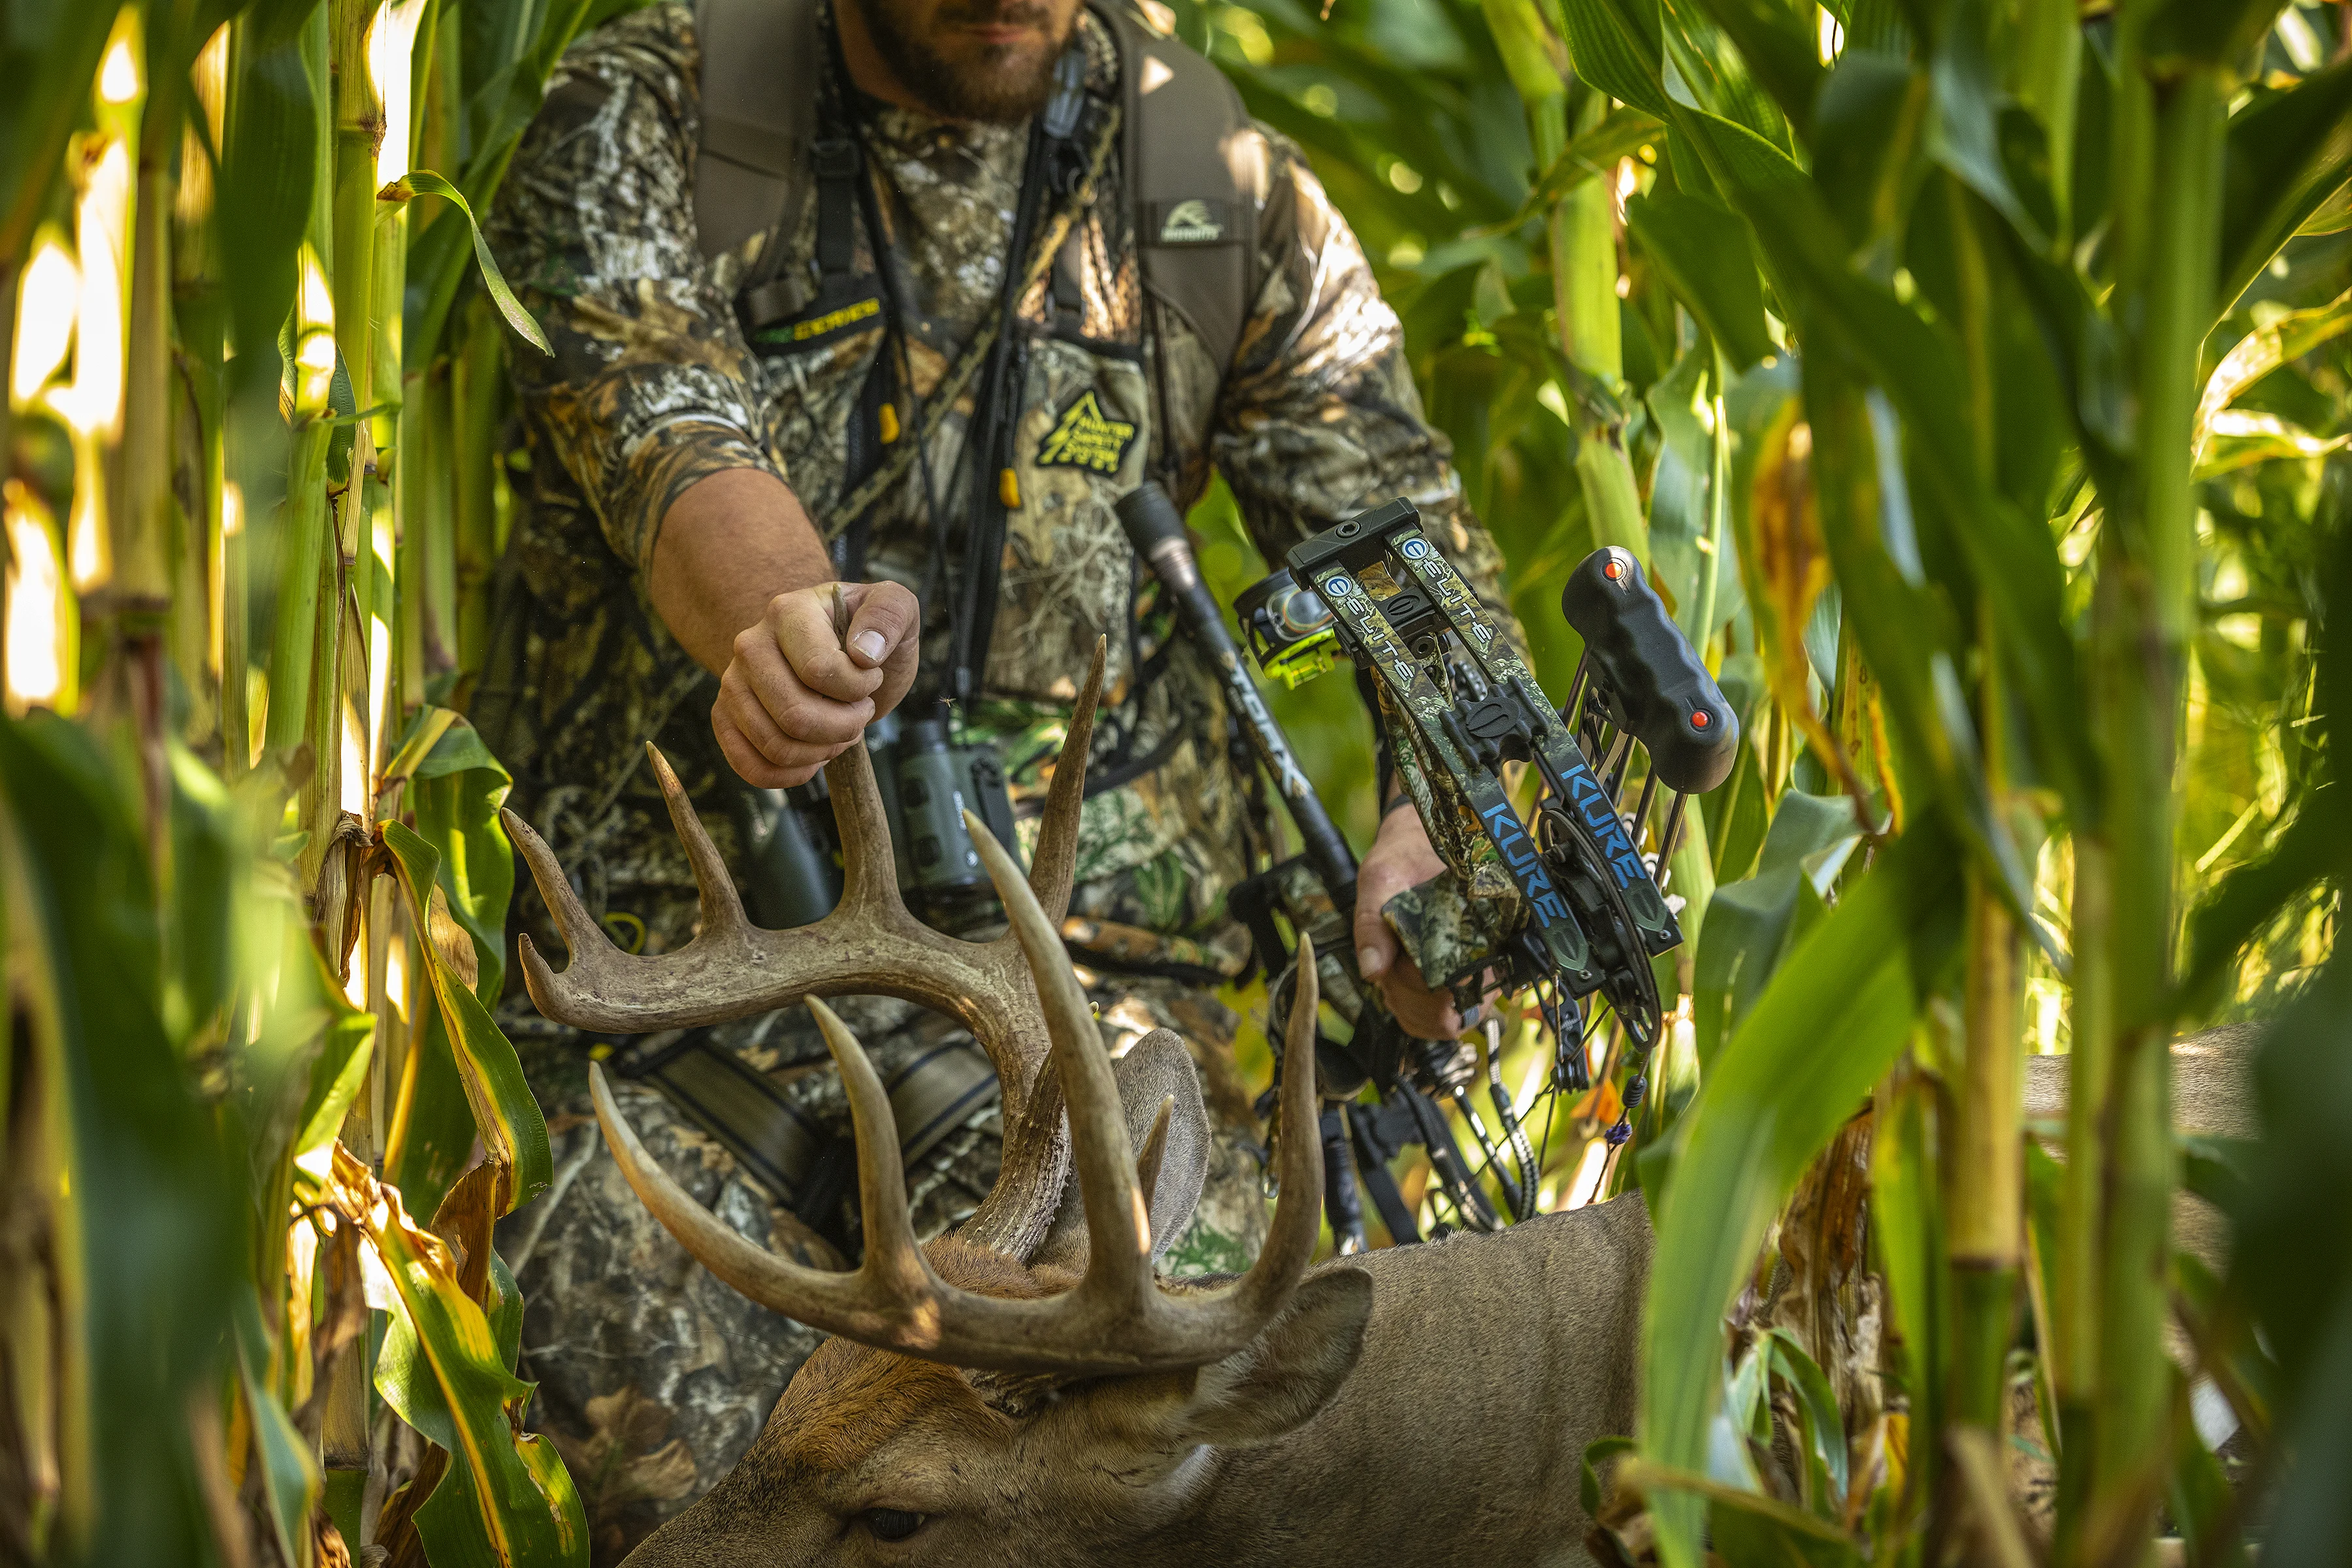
x=652 y=1377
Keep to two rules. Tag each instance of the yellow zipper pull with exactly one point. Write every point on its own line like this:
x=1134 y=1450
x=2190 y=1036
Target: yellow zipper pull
x=889 y=424
x=1008 y=488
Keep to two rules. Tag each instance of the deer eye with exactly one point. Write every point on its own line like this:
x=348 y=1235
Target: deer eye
x=892 y=1523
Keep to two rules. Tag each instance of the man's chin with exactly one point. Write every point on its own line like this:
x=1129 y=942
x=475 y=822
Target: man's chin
x=1004 y=83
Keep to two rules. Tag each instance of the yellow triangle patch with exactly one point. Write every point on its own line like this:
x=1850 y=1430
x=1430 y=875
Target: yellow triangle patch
x=1085 y=438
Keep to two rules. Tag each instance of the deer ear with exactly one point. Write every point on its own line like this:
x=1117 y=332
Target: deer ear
x=1279 y=1381
x=1156 y=1078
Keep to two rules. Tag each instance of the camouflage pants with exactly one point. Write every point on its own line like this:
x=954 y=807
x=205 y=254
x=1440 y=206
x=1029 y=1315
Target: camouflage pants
x=653 y=1377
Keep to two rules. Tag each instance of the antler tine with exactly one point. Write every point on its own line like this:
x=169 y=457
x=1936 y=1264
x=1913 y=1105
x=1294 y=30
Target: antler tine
x=581 y=933
x=840 y=1303
x=1291 y=1235
x=1118 y=1228
x=892 y=1254
x=1054 y=867
x=870 y=880
x=722 y=907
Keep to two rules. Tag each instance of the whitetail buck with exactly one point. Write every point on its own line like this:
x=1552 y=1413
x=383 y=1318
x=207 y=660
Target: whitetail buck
x=1026 y=1391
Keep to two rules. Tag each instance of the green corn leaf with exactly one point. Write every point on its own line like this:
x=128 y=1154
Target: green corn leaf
x=347 y=1040
x=1682 y=485
x=1751 y=923
x=48 y=53
x=132 y=1180
x=276 y=22
x=1747 y=1527
x=1906 y=1218
x=266 y=170
x=2209 y=32
x=1597 y=1452
x=1824 y=1434
x=1710 y=72
x=2269 y=345
x=1744 y=1422
x=504 y=1111
x=1905 y=629
x=2246 y=901
x=456 y=787
x=289 y=1472
x=1741 y=817
x=507 y=1506
x=2287 y=153
x=1588 y=156
x=1704 y=251
x=1616 y=45
x=453 y=790
x=424 y=182
x=1824 y=1031
x=1965 y=133
x=1778 y=47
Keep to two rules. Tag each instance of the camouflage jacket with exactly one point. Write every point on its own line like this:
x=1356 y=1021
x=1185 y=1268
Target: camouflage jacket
x=652 y=385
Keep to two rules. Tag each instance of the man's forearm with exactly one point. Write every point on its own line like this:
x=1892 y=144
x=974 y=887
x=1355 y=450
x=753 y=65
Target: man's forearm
x=729 y=545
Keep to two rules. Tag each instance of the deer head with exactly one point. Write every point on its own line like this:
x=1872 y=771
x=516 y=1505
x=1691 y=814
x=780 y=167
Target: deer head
x=991 y=1388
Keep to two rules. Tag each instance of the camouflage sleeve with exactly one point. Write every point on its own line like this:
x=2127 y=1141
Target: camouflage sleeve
x=1319 y=417
x=650 y=386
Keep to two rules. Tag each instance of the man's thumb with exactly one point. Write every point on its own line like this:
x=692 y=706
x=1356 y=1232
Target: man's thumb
x=884 y=614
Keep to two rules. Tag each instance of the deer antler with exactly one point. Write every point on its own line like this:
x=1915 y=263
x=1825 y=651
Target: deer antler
x=870 y=945
x=1116 y=1319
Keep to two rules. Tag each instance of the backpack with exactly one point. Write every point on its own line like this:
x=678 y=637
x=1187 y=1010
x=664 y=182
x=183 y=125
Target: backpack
x=1196 y=167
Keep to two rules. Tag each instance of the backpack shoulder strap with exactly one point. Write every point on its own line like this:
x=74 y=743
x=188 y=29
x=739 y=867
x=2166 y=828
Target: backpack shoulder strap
x=1197 y=169
x=761 y=60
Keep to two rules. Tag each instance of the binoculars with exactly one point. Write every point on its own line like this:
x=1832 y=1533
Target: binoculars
x=792 y=850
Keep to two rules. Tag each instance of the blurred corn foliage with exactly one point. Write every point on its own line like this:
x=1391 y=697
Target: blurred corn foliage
x=1972 y=375
x=257 y=1120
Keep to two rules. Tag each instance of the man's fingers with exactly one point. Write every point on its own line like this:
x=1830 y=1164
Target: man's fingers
x=746 y=760
x=760 y=729
x=765 y=675
x=1424 y=1015
x=1379 y=880
x=801 y=625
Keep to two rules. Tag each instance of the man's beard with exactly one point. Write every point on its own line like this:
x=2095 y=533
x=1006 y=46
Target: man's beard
x=996 y=84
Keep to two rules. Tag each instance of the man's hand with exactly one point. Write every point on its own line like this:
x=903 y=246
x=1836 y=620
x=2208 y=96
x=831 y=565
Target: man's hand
x=793 y=696
x=1401 y=857
x=743 y=582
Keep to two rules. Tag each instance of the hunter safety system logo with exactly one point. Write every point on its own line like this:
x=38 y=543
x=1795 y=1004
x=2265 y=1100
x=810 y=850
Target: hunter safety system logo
x=1085 y=437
